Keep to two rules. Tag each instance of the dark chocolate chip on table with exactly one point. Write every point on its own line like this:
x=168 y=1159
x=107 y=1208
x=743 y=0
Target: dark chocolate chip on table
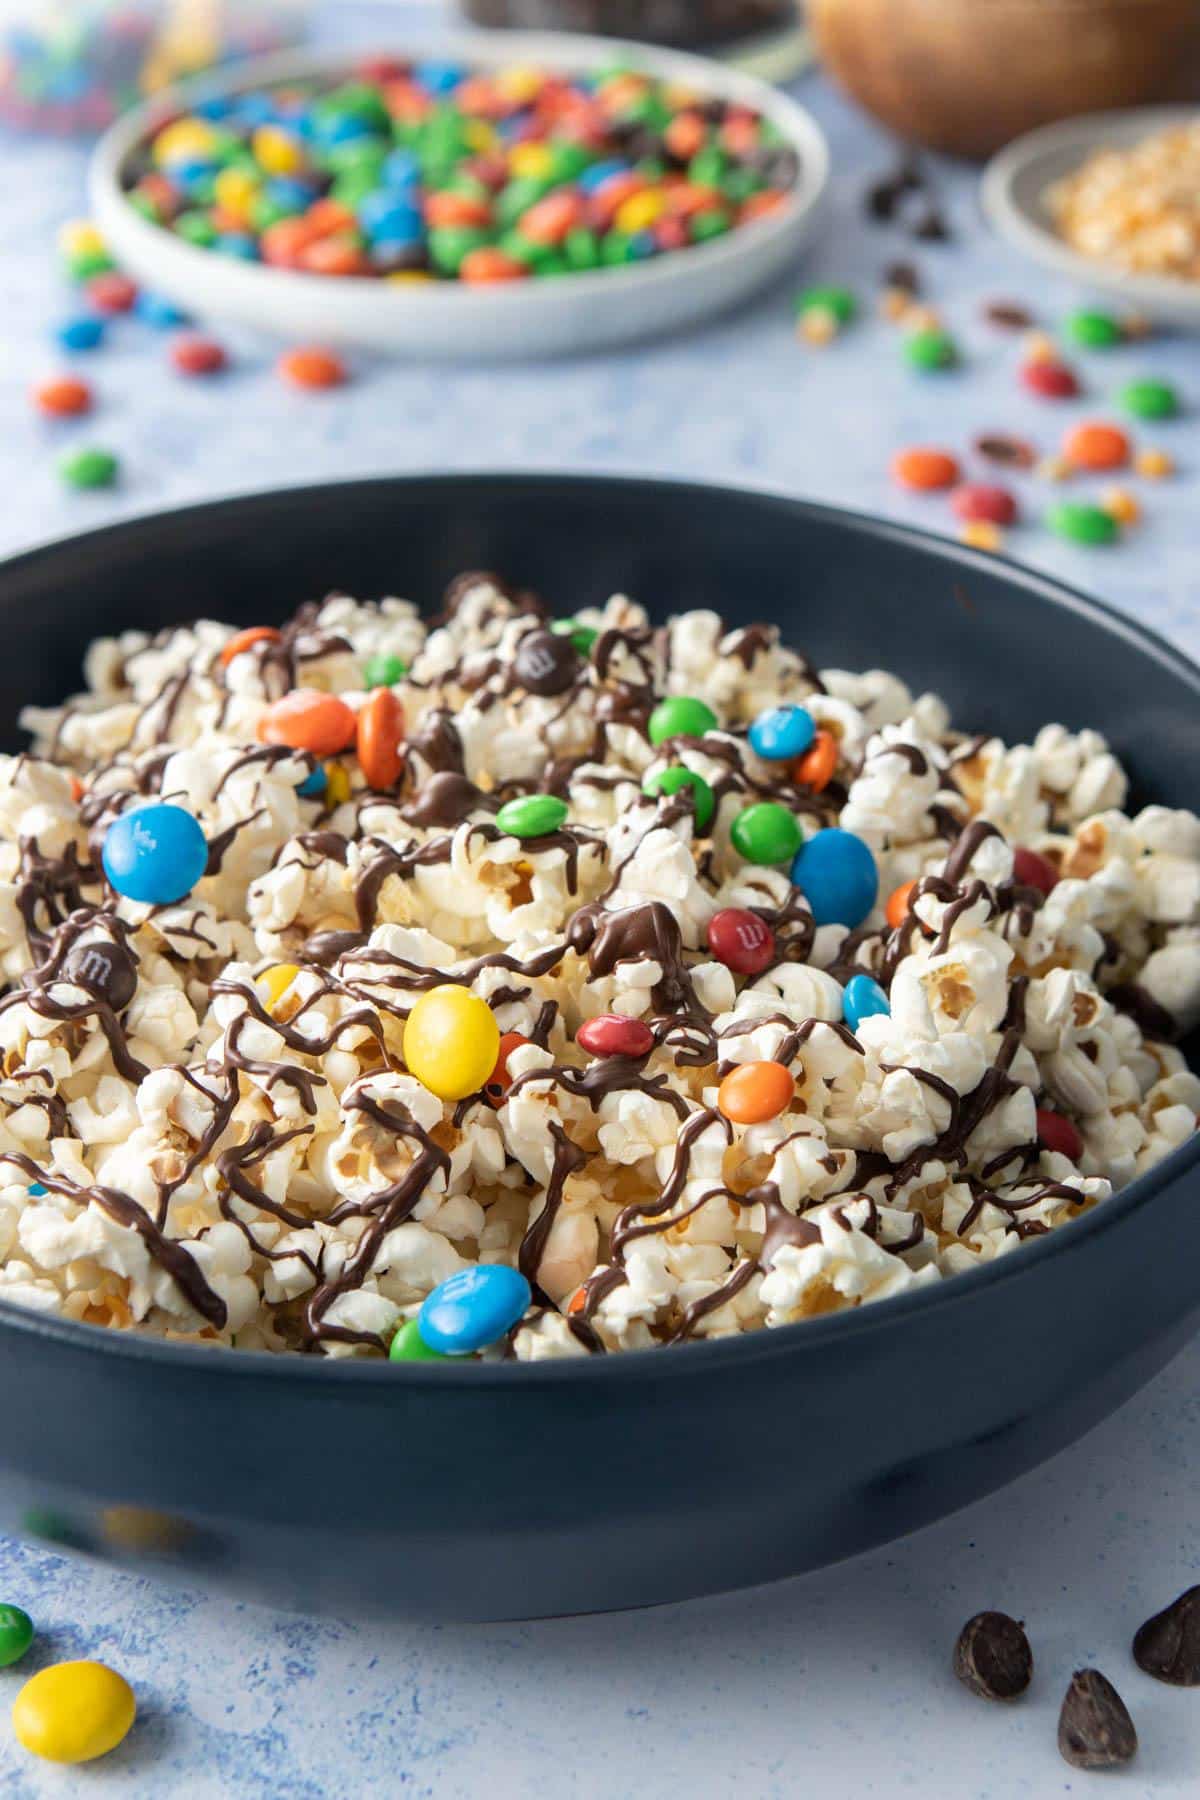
x=992 y=1656
x=1009 y=315
x=999 y=447
x=1167 y=1646
x=1095 y=1730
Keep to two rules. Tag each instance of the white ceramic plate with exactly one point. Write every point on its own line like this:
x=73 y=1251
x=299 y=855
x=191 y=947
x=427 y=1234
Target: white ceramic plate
x=535 y=318
x=1017 y=181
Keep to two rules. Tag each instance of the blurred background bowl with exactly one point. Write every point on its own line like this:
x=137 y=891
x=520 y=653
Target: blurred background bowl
x=968 y=76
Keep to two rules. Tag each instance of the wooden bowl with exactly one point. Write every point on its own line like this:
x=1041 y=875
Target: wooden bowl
x=969 y=75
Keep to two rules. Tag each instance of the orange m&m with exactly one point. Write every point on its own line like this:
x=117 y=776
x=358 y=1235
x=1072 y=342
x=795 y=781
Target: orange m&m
x=312 y=368
x=246 y=640
x=1095 y=445
x=815 y=768
x=308 y=720
x=755 y=1091
x=925 y=469
x=499 y=1081
x=379 y=730
x=898 y=904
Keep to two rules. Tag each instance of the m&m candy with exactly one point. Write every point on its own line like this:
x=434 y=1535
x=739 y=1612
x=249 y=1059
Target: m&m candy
x=1094 y=330
x=379 y=730
x=930 y=350
x=899 y=902
x=84 y=332
x=674 y=781
x=307 y=719
x=451 y=1040
x=680 y=716
x=1048 y=379
x=766 y=833
x=382 y=670
x=1096 y=445
x=925 y=469
x=1056 y=1132
x=836 y=873
x=499 y=1081
x=862 y=998
x=741 y=940
x=241 y=641
x=155 y=854
x=197 y=356
x=312 y=368
x=755 y=1092
x=63 y=396
x=1032 y=870
x=73 y=1712
x=1082 y=522
x=90 y=468
x=983 y=501
x=816 y=767
x=16 y=1629
x=473 y=1308
x=532 y=816
x=1149 y=399
x=612 y=1034
x=409 y=1346
x=782 y=734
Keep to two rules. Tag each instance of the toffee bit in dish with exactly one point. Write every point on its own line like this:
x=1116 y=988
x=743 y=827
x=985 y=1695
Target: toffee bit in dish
x=696 y=989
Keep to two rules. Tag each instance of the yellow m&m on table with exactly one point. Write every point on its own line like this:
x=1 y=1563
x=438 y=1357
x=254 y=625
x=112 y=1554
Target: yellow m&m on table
x=451 y=1042
x=73 y=1711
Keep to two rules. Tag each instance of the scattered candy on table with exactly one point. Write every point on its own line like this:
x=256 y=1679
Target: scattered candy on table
x=91 y=468
x=1149 y=399
x=197 y=356
x=451 y=1040
x=1082 y=523
x=81 y=332
x=460 y=174
x=930 y=350
x=1048 y=379
x=925 y=469
x=16 y=1627
x=312 y=368
x=1096 y=445
x=155 y=854
x=979 y=501
x=473 y=1309
x=63 y=396
x=73 y=1712
x=1094 y=330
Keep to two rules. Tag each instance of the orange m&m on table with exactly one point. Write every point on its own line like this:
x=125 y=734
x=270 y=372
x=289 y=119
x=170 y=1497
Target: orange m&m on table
x=1095 y=445
x=308 y=720
x=755 y=1091
x=925 y=469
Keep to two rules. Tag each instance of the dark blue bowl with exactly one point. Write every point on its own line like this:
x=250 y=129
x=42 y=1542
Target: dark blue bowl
x=486 y=1492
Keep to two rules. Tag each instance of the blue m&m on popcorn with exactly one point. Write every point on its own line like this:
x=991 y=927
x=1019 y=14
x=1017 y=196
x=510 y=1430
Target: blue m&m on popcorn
x=473 y=1309
x=155 y=854
x=836 y=873
x=782 y=734
x=863 y=998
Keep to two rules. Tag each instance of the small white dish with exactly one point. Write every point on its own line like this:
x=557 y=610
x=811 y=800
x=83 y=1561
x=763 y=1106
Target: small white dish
x=572 y=314
x=1016 y=184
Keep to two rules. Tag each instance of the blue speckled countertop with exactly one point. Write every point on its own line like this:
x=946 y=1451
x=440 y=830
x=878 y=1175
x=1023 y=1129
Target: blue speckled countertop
x=835 y=1684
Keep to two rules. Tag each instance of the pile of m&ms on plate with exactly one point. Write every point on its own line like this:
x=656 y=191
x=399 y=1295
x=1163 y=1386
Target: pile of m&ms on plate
x=438 y=171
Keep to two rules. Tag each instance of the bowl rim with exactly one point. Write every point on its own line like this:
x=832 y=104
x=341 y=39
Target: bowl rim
x=697 y=1357
x=1023 y=226
x=571 y=52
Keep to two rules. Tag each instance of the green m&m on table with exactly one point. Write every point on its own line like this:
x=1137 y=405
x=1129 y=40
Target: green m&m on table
x=1149 y=399
x=1094 y=330
x=94 y=468
x=766 y=833
x=532 y=816
x=838 y=302
x=1082 y=523
x=673 y=781
x=930 y=351
x=16 y=1635
x=680 y=716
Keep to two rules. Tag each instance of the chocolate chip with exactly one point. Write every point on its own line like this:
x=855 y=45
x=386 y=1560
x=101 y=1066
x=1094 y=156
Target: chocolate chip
x=1012 y=452
x=1007 y=315
x=1095 y=1730
x=545 y=663
x=904 y=276
x=104 y=969
x=992 y=1656
x=1168 y=1645
x=930 y=227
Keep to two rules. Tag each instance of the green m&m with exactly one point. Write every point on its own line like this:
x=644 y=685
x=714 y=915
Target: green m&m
x=16 y=1635
x=930 y=351
x=1094 y=330
x=1149 y=399
x=382 y=670
x=838 y=301
x=673 y=781
x=532 y=816
x=92 y=468
x=680 y=716
x=409 y=1346
x=1082 y=523
x=766 y=833
x=582 y=636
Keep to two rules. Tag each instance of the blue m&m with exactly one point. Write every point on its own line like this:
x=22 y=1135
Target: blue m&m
x=314 y=784
x=473 y=1308
x=836 y=873
x=83 y=332
x=155 y=854
x=863 y=999
x=782 y=733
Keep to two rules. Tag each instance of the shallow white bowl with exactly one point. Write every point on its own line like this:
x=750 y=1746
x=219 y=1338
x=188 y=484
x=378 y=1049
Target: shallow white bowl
x=450 y=319
x=1015 y=188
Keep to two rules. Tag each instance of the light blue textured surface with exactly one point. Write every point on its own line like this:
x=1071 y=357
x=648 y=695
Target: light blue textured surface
x=834 y=1685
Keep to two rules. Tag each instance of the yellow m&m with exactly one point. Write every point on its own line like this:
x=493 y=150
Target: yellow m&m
x=274 y=983
x=451 y=1042
x=73 y=1711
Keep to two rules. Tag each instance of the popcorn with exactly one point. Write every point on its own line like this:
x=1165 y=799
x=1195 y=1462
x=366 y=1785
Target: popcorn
x=250 y=1162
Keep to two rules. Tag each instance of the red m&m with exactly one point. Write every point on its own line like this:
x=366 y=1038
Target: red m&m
x=609 y=1034
x=1058 y=1133
x=1032 y=870
x=1051 y=380
x=741 y=940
